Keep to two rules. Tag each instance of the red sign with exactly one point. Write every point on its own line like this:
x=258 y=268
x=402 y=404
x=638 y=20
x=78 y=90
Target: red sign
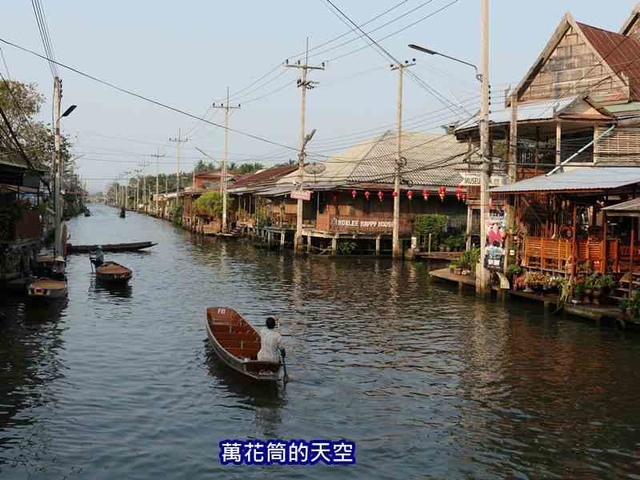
x=301 y=194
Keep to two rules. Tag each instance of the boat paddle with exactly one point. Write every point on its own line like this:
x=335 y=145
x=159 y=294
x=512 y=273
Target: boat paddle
x=285 y=377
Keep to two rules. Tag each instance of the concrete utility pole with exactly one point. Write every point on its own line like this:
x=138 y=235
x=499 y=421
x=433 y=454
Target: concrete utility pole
x=304 y=85
x=178 y=140
x=57 y=101
x=481 y=272
x=223 y=174
x=396 y=246
x=157 y=157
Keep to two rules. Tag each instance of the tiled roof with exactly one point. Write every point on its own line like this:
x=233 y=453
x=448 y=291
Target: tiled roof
x=620 y=52
x=268 y=176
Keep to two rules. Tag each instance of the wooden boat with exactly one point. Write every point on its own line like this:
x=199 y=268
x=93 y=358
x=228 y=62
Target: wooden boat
x=112 y=272
x=51 y=284
x=113 y=247
x=47 y=289
x=237 y=344
x=87 y=213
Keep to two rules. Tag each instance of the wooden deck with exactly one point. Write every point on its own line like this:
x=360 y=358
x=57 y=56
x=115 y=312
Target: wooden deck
x=446 y=275
x=438 y=255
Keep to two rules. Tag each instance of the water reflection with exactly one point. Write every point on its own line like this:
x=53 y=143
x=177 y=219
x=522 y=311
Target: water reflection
x=267 y=399
x=30 y=344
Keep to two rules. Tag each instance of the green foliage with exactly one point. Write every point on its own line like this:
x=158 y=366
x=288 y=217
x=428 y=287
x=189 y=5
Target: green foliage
x=209 y=203
x=469 y=259
x=430 y=224
x=176 y=215
x=513 y=270
x=456 y=242
x=346 y=247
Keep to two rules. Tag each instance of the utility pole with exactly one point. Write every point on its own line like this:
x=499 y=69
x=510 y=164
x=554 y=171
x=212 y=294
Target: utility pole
x=223 y=177
x=396 y=246
x=481 y=271
x=157 y=157
x=57 y=100
x=178 y=141
x=304 y=85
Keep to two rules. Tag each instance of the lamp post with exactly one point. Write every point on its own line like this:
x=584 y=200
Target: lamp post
x=483 y=78
x=59 y=166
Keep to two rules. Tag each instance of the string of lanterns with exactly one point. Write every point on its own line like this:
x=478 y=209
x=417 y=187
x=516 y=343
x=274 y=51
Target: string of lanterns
x=442 y=192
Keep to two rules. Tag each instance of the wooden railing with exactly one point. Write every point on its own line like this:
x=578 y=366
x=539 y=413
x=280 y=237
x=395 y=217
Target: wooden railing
x=556 y=255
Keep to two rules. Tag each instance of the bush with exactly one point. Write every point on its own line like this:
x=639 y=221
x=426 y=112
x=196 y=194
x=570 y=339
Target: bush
x=430 y=224
x=469 y=259
x=209 y=203
x=346 y=248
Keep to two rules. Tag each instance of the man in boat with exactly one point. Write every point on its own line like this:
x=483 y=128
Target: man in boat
x=270 y=343
x=98 y=257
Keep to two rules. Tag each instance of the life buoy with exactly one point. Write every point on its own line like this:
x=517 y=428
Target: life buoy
x=566 y=232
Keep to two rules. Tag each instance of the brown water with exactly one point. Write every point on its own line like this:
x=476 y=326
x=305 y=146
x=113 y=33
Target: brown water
x=428 y=383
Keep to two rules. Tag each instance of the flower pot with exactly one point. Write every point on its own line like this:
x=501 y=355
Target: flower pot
x=597 y=293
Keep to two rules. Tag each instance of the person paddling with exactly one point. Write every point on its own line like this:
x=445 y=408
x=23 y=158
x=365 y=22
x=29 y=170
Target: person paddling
x=270 y=343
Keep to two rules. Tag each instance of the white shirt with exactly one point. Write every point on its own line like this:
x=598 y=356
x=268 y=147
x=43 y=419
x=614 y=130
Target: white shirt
x=270 y=340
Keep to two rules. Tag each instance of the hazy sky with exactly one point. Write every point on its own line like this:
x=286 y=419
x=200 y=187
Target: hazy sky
x=186 y=53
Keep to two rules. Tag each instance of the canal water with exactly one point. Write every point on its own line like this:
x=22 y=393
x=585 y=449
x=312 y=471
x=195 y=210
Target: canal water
x=429 y=383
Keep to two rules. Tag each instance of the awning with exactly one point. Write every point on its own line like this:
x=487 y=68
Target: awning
x=578 y=179
x=630 y=208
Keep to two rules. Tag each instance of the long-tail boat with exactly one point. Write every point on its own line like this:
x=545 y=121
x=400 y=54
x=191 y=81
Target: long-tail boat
x=237 y=343
x=51 y=283
x=110 y=247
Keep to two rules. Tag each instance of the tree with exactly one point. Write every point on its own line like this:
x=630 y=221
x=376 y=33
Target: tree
x=247 y=168
x=209 y=203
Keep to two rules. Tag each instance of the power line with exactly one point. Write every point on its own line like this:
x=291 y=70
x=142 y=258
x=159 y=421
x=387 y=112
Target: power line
x=44 y=34
x=147 y=99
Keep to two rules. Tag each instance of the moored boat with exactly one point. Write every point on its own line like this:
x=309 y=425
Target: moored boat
x=112 y=272
x=237 y=343
x=51 y=283
x=110 y=247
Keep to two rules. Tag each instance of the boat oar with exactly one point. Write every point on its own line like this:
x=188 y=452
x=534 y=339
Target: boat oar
x=285 y=378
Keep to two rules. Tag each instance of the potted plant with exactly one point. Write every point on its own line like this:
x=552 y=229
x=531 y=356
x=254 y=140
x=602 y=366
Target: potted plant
x=513 y=270
x=588 y=289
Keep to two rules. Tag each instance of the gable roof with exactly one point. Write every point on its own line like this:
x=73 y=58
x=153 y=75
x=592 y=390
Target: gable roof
x=430 y=161
x=620 y=52
x=265 y=177
x=631 y=22
x=615 y=52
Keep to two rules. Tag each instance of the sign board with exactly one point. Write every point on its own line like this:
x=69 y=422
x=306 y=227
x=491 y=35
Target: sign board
x=494 y=252
x=301 y=194
x=472 y=179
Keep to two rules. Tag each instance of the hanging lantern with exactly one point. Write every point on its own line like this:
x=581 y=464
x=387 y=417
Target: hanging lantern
x=464 y=196
x=459 y=193
x=353 y=194
x=380 y=195
x=410 y=194
x=367 y=194
x=442 y=191
x=335 y=198
x=425 y=194
x=395 y=194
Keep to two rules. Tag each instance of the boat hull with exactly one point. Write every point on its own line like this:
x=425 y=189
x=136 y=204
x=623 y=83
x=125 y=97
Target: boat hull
x=114 y=247
x=221 y=325
x=44 y=289
x=113 y=273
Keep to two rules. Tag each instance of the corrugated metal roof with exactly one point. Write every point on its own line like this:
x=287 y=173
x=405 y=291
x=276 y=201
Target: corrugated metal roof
x=576 y=179
x=430 y=160
x=620 y=52
x=630 y=206
x=526 y=112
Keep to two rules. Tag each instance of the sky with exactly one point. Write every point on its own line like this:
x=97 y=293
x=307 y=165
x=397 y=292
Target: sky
x=185 y=55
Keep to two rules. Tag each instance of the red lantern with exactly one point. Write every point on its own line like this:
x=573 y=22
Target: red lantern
x=380 y=195
x=353 y=194
x=425 y=194
x=410 y=194
x=442 y=191
x=395 y=194
x=366 y=195
x=459 y=192
x=335 y=198
x=464 y=197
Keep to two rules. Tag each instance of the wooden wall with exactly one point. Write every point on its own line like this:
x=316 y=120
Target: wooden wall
x=620 y=147
x=572 y=68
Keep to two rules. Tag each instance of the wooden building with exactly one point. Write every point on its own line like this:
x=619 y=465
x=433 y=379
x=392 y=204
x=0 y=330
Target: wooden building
x=571 y=133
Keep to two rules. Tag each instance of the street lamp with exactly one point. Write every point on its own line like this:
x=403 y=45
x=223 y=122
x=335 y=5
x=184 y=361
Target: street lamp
x=433 y=52
x=483 y=77
x=68 y=111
